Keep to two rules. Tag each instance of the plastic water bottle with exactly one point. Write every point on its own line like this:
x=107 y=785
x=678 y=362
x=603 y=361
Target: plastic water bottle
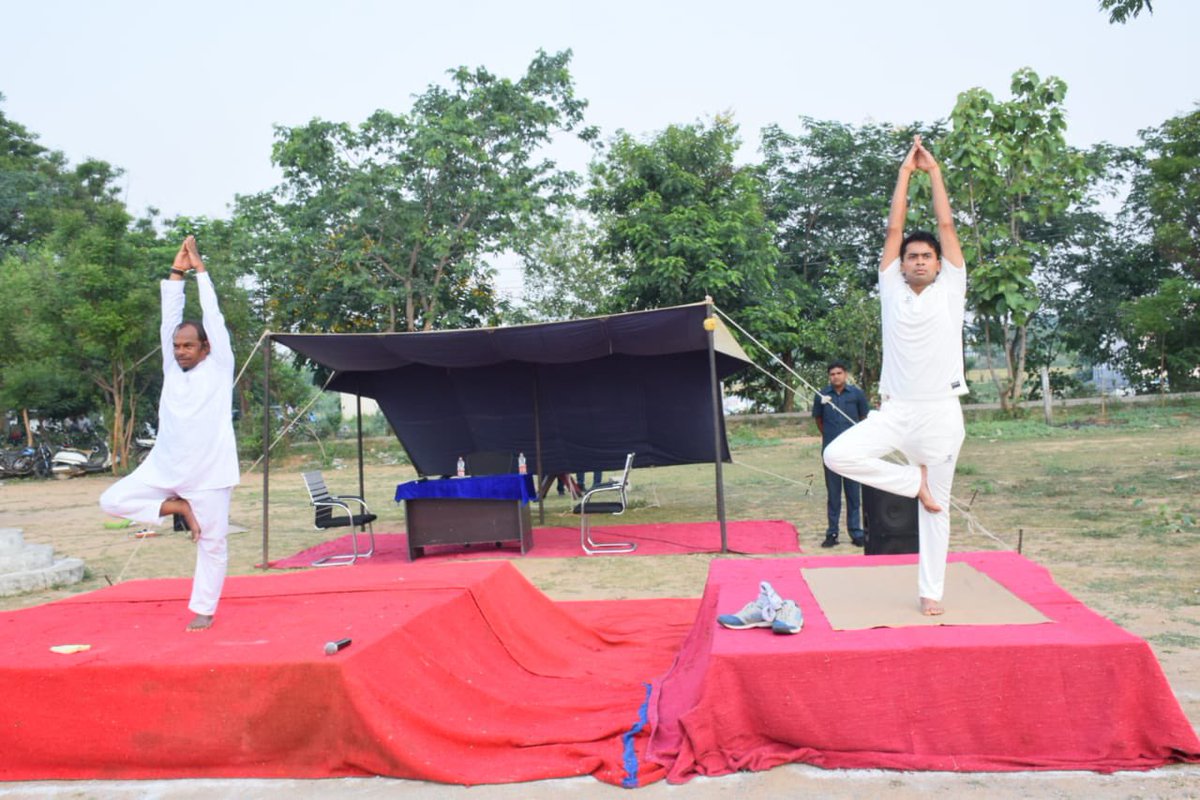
x=462 y=467
x=521 y=463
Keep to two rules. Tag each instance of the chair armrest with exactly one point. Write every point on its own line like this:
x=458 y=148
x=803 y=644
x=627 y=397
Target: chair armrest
x=333 y=502
x=612 y=487
x=355 y=498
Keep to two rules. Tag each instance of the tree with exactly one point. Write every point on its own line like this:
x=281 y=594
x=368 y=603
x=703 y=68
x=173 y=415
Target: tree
x=1121 y=11
x=1166 y=194
x=1161 y=327
x=679 y=220
x=387 y=225
x=828 y=189
x=31 y=182
x=563 y=277
x=1013 y=178
x=1163 y=332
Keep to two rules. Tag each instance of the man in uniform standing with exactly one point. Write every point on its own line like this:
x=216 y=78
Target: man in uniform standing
x=836 y=408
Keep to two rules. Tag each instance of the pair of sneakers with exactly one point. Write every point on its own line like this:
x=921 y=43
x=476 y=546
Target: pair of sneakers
x=768 y=610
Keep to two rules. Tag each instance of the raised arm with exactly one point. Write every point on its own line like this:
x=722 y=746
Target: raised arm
x=171 y=291
x=946 y=232
x=899 y=209
x=219 y=343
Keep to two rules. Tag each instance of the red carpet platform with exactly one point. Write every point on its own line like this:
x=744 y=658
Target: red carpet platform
x=460 y=673
x=755 y=537
x=1077 y=692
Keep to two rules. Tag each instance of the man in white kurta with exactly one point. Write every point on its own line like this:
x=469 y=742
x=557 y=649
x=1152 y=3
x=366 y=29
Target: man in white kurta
x=922 y=291
x=194 y=466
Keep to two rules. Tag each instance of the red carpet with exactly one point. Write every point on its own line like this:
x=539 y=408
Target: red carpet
x=1077 y=693
x=460 y=673
x=754 y=537
x=465 y=673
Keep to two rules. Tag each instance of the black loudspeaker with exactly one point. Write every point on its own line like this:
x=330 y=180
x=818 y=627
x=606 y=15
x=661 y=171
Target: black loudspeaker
x=890 y=522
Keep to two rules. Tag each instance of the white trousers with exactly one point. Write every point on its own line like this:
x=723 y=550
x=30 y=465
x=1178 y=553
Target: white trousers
x=140 y=502
x=928 y=433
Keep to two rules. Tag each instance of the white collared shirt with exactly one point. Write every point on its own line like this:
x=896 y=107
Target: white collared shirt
x=923 y=335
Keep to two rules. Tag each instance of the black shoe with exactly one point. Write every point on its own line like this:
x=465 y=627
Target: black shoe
x=859 y=540
x=830 y=541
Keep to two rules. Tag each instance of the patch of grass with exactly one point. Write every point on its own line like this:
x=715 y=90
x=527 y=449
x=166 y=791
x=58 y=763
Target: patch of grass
x=1175 y=639
x=1099 y=533
x=966 y=469
x=742 y=437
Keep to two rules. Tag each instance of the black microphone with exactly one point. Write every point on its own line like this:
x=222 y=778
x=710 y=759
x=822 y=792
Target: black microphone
x=333 y=647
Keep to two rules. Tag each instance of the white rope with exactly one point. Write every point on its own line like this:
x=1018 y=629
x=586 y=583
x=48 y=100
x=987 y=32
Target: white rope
x=781 y=363
x=257 y=345
x=294 y=419
x=129 y=560
x=786 y=479
x=973 y=523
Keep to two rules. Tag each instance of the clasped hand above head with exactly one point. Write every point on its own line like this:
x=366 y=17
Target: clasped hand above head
x=193 y=254
x=919 y=159
x=188 y=257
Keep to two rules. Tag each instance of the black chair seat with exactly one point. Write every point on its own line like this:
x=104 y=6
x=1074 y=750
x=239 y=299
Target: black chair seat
x=357 y=521
x=599 y=508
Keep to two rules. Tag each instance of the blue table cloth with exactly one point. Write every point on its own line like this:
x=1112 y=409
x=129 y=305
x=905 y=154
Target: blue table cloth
x=483 y=487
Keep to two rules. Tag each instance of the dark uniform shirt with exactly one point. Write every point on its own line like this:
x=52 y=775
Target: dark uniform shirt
x=852 y=400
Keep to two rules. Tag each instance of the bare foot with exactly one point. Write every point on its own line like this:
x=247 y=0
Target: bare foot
x=177 y=505
x=926 y=496
x=931 y=608
x=200 y=622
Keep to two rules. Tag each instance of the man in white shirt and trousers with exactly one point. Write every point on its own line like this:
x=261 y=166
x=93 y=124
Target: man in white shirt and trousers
x=922 y=291
x=194 y=465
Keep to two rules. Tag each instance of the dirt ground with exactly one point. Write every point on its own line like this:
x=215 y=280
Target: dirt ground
x=1107 y=513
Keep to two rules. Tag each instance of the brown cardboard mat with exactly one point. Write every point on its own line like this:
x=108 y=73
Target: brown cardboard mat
x=857 y=598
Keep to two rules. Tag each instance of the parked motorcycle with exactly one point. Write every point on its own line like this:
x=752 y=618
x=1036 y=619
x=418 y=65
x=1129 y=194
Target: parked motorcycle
x=36 y=460
x=71 y=462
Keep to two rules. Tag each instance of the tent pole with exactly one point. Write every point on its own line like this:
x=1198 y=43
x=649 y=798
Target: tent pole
x=537 y=443
x=358 y=409
x=266 y=442
x=710 y=325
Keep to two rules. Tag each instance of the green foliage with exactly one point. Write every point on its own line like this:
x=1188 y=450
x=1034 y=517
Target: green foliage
x=563 y=278
x=386 y=226
x=1013 y=177
x=1168 y=191
x=1121 y=11
x=828 y=189
x=679 y=220
x=1163 y=335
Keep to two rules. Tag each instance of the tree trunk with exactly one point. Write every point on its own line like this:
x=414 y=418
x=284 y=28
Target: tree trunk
x=1047 y=406
x=118 y=417
x=987 y=357
x=789 y=396
x=1019 y=343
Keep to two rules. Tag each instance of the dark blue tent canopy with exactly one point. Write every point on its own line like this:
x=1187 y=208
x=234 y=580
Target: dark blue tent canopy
x=580 y=394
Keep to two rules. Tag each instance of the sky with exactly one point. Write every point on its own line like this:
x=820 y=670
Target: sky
x=185 y=97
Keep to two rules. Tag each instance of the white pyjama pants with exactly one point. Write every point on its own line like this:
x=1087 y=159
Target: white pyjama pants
x=140 y=502
x=927 y=432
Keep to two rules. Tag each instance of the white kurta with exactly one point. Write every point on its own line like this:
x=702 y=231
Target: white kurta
x=920 y=415
x=195 y=448
x=195 y=454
